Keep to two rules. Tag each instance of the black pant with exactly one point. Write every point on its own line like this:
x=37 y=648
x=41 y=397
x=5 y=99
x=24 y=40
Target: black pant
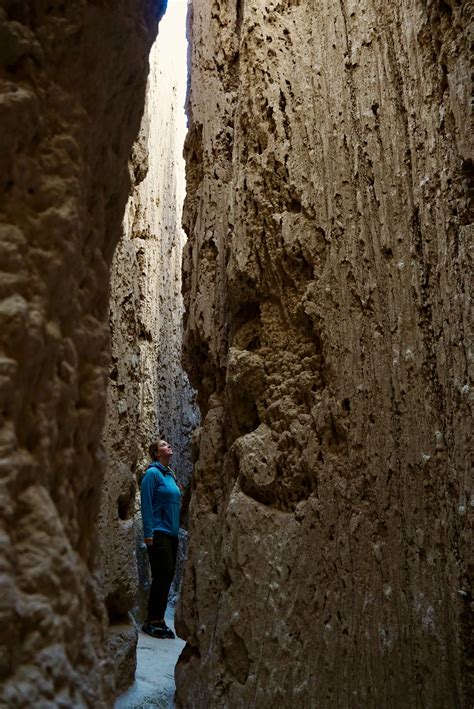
x=162 y=556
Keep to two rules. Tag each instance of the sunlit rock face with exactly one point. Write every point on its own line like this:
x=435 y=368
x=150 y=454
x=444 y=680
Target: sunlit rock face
x=148 y=392
x=72 y=87
x=326 y=284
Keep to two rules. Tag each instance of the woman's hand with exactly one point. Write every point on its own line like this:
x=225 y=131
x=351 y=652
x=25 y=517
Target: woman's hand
x=148 y=541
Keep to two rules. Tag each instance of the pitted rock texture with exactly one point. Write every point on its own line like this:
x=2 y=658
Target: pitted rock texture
x=148 y=392
x=327 y=295
x=72 y=86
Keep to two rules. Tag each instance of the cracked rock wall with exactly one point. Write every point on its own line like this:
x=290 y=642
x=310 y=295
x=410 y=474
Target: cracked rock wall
x=327 y=293
x=72 y=85
x=148 y=392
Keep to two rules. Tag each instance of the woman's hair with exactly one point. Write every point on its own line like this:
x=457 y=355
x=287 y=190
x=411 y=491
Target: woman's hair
x=152 y=448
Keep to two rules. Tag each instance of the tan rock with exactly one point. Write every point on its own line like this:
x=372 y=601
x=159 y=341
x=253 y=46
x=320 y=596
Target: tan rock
x=72 y=83
x=326 y=286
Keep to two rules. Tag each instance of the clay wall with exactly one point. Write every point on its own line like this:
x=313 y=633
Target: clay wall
x=327 y=295
x=72 y=85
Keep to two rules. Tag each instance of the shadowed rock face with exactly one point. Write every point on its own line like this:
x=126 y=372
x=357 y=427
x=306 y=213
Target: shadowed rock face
x=72 y=82
x=327 y=310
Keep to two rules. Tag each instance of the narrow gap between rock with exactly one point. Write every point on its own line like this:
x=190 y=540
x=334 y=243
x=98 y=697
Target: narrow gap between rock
x=149 y=395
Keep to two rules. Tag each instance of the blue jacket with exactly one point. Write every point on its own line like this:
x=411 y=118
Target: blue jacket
x=160 y=497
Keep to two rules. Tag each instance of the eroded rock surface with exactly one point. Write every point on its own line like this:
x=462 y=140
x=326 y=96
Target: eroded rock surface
x=72 y=85
x=326 y=283
x=148 y=393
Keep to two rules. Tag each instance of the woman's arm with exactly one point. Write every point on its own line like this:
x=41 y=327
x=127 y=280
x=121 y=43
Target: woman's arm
x=146 y=496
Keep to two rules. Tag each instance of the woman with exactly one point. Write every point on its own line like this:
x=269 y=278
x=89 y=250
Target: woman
x=160 y=498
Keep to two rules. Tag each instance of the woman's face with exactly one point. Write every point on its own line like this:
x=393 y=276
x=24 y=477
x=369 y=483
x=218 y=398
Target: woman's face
x=163 y=450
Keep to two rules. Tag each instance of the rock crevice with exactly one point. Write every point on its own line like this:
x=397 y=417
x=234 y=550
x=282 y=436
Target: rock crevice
x=148 y=393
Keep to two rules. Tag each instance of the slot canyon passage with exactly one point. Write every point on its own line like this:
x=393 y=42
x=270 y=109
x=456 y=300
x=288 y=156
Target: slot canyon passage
x=326 y=283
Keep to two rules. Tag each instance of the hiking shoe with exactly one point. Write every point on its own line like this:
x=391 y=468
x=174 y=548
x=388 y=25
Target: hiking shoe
x=158 y=631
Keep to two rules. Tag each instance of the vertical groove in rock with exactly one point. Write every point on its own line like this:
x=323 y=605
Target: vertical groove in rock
x=148 y=392
x=327 y=295
x=72 y=84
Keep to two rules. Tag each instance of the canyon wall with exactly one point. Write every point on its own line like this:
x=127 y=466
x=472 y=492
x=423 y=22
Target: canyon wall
x=148 y=393
x=72 y=86
x=327 y=294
